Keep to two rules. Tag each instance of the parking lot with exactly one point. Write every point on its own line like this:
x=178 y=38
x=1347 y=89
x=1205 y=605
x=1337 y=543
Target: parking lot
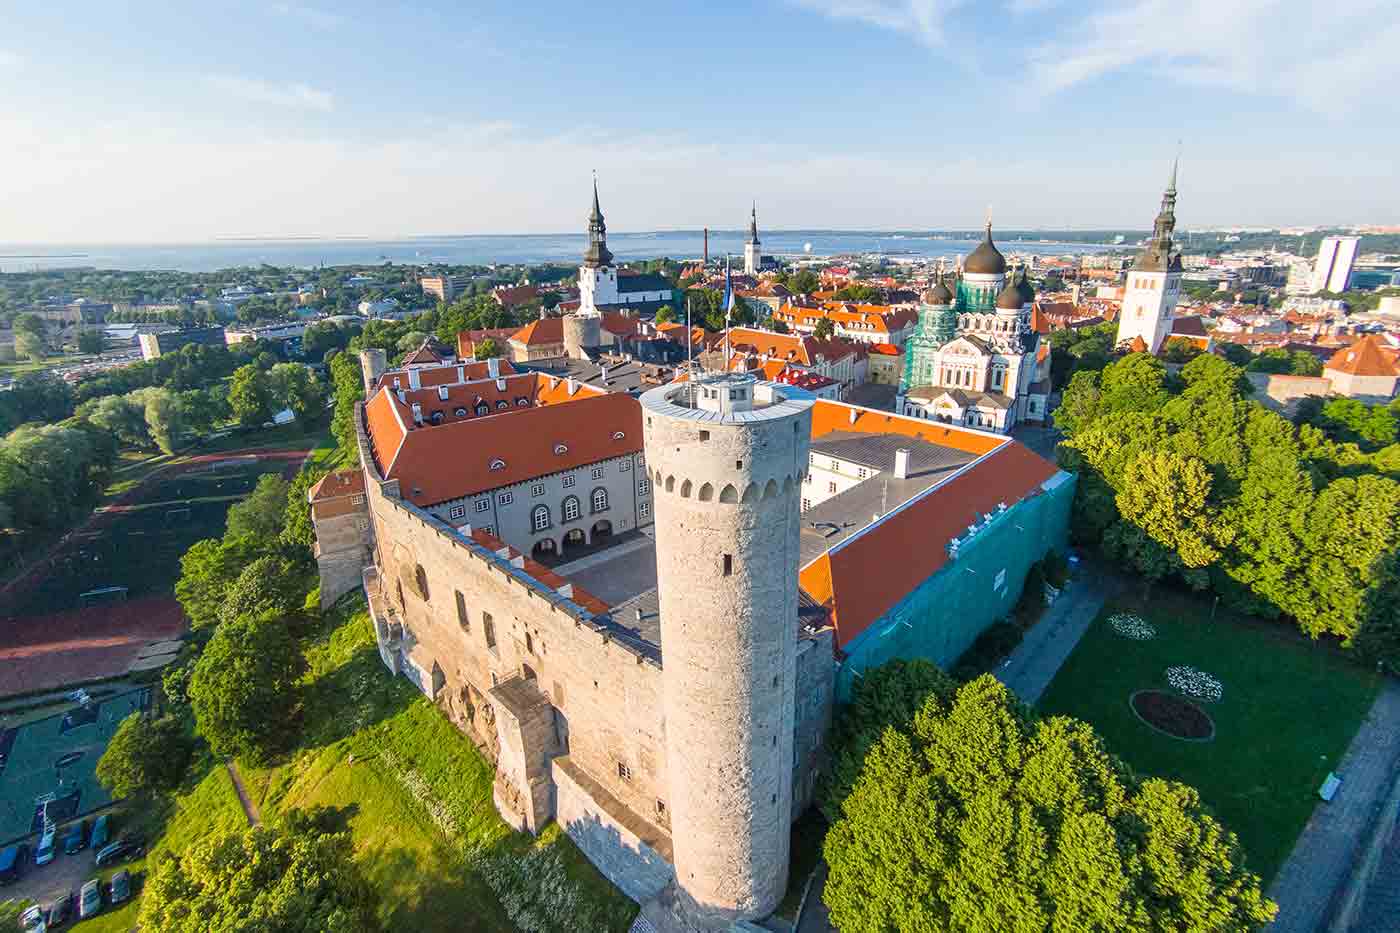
x=44 y=883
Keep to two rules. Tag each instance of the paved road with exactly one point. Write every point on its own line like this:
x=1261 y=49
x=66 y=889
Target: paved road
x=1381 y=910
x=249 y=809
x=1045 y=648
x=1322 y=857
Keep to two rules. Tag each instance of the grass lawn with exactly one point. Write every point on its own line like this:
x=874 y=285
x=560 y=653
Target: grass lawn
x=417 y=795
x=1288 y=712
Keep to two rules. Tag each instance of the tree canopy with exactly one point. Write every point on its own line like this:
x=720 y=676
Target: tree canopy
x=294 y=878
x=244 y=688
x=979 y=817
x=145 y=756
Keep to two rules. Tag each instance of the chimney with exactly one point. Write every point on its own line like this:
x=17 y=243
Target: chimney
x=414 y=382
x=854 y=415
x=604 y=374
x=493 y=367
x=567 y=591
x=417 y=413
x=638 y=610
x=901 y=463
x=500 y=384
x=518 y=562
x=573 y=385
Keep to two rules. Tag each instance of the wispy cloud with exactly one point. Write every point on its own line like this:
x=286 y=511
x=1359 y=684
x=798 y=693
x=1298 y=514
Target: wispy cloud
x=1326 y=57
x=921 y=19
x=10 y=59
x=311 y=16
x=258 y=91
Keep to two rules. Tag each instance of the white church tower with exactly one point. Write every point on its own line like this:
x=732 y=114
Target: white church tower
x=597 y=277
x=1154 y=282
x=752 y=258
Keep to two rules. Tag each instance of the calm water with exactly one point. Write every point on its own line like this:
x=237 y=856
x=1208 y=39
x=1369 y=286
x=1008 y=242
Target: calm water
x=563 y=248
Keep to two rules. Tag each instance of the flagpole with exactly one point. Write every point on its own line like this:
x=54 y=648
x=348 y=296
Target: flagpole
x=728 y=307
x=689 y=364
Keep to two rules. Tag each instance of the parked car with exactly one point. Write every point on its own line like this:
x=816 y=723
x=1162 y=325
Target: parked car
x=90 y=899
x=44 y=854
x=12 y=861
x=127 y=847
x=61 y=911
x=76 y=838
x=99 y=832
x=34 y=920
x=121 y=888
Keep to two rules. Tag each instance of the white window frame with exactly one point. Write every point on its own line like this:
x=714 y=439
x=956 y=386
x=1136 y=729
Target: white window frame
x=536 y=514
x=457 y=511
x=597 y=472
x=483 y=504
x=625 y=465
x=505 y=498
x=576 y=510
x=568 y=481
x=536 y=490
x=644 y=509
x=593 y=500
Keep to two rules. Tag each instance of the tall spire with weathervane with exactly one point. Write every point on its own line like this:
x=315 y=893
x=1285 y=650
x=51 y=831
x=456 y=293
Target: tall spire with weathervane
x=597 y=253
x=753 y=259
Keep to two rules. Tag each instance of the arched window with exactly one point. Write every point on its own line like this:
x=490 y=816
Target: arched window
x=502 y=404
x=539 y=517
x=571 y=509
x=483 y=409
x=600 y=499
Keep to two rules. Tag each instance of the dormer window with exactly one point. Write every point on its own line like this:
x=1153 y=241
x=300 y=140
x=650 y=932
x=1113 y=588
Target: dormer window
x=483 y=409
x=618 y=435
x=436 y=417
x=560 y=449
x=460 y=412
x=498 y=465
x=522 y=402
x=442 y=393
x=502 y=405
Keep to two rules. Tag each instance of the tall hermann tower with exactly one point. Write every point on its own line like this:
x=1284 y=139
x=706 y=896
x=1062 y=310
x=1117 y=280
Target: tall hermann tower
x=1154 y=282
x=727 y=455
x=752 y=258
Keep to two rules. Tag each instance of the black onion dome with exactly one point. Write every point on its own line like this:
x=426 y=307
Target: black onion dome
x=938 y=294
x=1010 y=298
x=986 y=259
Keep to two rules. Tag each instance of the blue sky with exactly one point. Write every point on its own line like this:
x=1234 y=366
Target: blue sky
x=167 y=122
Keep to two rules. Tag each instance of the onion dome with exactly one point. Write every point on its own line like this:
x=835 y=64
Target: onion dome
x=938 y=295
x=1023 y=283
x=1010 y=298
x=986 y=259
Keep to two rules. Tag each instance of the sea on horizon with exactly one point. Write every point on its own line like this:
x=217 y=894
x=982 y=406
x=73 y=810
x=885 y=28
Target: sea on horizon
x=493 y=249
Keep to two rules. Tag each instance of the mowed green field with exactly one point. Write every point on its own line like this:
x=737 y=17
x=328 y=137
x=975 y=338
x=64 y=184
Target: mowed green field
x=1288 y=711
x=139 y=546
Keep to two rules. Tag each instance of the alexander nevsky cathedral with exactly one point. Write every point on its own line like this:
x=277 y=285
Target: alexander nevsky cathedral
x=974 y=359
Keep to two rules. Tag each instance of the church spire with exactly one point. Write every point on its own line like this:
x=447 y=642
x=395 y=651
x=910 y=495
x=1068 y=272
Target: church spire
x=597 y=253
x=753 y=224
x=1159 y=255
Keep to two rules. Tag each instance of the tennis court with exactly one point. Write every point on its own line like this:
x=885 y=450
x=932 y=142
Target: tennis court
x=53 y=761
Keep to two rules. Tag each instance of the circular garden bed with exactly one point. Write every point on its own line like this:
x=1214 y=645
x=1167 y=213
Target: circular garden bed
x=1172 y=715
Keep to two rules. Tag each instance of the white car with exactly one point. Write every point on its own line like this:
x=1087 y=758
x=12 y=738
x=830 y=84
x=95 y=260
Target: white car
x=33 y=920
x=43 y=854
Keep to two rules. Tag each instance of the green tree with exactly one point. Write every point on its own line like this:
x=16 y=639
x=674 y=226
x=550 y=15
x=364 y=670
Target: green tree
x=261 y=514
x=90 y=341
x=804 y=282
x=1167 y=495
x=293 y=878
x=145 y=757
x=347 y=380
x=885 y=696
x=30 y=345
x=294 y=386
x=297 y=531
x=270 y=587
x=244 y=688
x=164 y=417
x=778 y=327
x=981 y=818
x=250 y=396
x=207 y=569
x=122 y=415
x=1180 y=350
x=486 y=349
x=665 y=315
x=824 y=329
x=203 y=409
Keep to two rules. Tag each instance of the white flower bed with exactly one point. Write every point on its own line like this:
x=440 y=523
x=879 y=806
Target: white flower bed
x=1195 y=683
x=1132 y=626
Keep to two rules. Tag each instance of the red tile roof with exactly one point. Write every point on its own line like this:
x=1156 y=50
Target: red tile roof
x=1367 y=357
x=865 y=576
x=541 y=332
x=884 y=349
x=468 y=339
x=435 y=463
x=542 y=573
x=510 y=295
x=336 y=485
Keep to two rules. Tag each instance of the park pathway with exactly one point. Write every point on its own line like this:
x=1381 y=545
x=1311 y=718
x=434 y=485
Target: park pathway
x=249 y=809
x=1048 y=644
x=1327 y=848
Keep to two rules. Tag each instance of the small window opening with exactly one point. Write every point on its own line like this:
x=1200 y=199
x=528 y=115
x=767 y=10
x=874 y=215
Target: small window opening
x=728 y=565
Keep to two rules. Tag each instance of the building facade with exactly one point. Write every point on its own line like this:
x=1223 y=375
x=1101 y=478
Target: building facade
x=1336 y=257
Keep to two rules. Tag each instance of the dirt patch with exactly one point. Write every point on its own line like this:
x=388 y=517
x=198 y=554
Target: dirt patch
x=1173 y=715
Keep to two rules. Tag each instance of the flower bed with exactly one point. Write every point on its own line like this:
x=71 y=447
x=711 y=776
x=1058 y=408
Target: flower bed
x=1132 y=626
x=1172 y=715
x=1194 y=683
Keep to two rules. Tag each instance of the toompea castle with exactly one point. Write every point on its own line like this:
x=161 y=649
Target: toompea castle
x=643 y=610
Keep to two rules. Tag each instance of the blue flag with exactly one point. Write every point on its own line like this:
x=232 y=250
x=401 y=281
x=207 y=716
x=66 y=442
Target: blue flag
x=728 y=293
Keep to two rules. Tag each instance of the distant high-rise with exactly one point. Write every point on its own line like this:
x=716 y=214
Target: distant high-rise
x=1335 y=257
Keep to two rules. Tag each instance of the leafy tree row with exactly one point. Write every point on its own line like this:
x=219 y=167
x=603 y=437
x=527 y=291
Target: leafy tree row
x=1189 y=477
x=955 y=808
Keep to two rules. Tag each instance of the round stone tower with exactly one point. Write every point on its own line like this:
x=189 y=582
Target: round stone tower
x=582 y=330
x=727 y=455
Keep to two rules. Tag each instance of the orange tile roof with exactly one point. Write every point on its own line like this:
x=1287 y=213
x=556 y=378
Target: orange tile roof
x=1367 y=357
x=337 y=484
x=468 y=339
x=435 y=463
x=864 y=577
x=884 y=349
x=539 y=332
x=828 y=416
x=446 y=375
x=542 y=573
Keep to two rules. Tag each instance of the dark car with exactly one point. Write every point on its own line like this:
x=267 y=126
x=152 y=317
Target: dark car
x=127 y=847
x=12 y=862
x=76 y=839
x=90 y=900
x=61 y=911
x=99 y=832
x=121 y=888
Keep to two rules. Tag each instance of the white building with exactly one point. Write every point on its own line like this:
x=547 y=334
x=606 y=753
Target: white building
x=1153 y=285
x=753 y=258
x=1335 y=257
